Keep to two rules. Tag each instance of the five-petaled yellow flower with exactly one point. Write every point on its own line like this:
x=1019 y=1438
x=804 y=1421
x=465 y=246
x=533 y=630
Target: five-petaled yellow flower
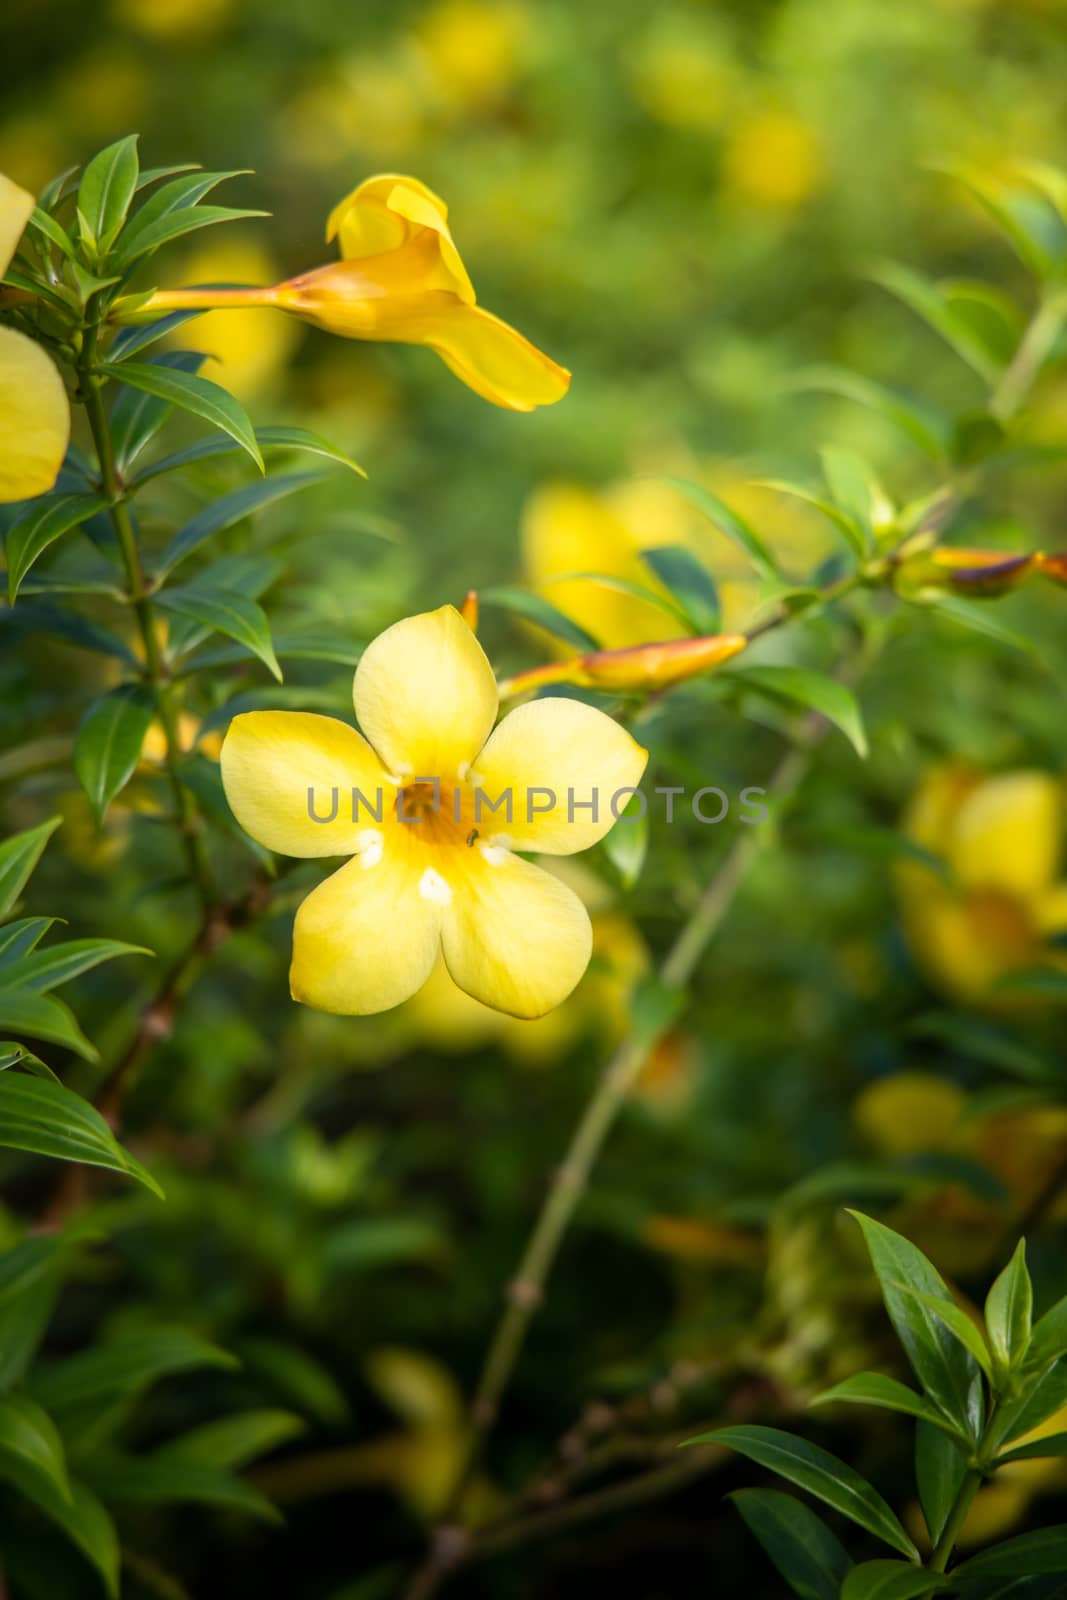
x=401 y=280
x=432 y=805
x=34 y=410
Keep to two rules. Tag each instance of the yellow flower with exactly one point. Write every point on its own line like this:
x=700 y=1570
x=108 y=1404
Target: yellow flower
x=1001 y=839
x=401 y=281
x=250 y=347
x=34 y=411
x=173 y=19
x=471 y=49
x=773 y=160
x=432 y=805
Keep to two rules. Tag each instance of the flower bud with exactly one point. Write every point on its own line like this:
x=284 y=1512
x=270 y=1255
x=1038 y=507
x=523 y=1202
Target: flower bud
x=1054 y=567
x=974 y=574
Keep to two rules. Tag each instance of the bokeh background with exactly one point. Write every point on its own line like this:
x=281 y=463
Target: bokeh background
x=684 y=204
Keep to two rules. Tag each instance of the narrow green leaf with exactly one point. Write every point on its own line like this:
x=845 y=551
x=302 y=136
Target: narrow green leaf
x=927 y=428
x=809 y=1557
x=109 y=742
x=29 y=1286
x=183 y=220
x=814 y=691
x=626 y=845
x=944 y=1367
x=40 y=1016
x=928 y=301
x=955 y=1320
x=639 y=591
x=152 y=175
x=820 y=1473
x=299 y=1377
x=223 y=513
x=1053 y=1444
x=873 y=1388
x=122 y=1368
x=846 y=525
x=136 y=417
x=1043 y=1395
x=234 y=1442
x=690 y=584
x=225 y=611
x=54 y=232
x=940 y=1468
x=88 y=1526
x=736 y=529
x=106 y=189
x=1049 y=1339
x=850 y=484
x=1009 y=1310
x=1031 y=1553
x=49 y=1120
x=41 y=970
x=535 y=609
x=18 y=857
x=142 y=336
x=1028 y=221
x=160 y=1479
x=31 y=1451
x=890 y=1580
x=975 y=614
x=196 y=395
x=46 y=520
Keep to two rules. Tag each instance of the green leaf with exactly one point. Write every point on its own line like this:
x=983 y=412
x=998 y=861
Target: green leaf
x=946 y=1370
x=929 y=301
x=848 y=479
x=225 y=611
x=820 y=1473
x=927 y=428
x=41 y=970
x=109 y=742
x=188 y=392
x=54 y=232
x=18 y=857
x=534 y=609
x=940 y=1468
x=183 y=220
x=735 y=528
x=1045 y=983
x=41 y=1017
x=137 y=417
x=31 y=1451
x=276 y=438
x=122 y=1368
x=873 y=1388
x=690 y=584
x=47 y=519
x=814 y=691
x=975 y=614
x=296 y=1375
x=845 y=524
x=107 y=186
x=142 y=336
x=49 y=1120
x=1028 y=221
x=1040 y=1400
x=159 y=1478
x=233 y=1442
x=809 y=1557
x=1029 y=1554
x=87 y=1525
x=29 y=1286
x=626 y=845
x=1009 y=1309
x=223 y=513
x=890 y=1580
x=955 y=1320
x=1049 y=1339
x=1053 y=1444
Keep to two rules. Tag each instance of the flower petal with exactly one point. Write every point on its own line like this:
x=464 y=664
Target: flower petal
x=384 y=213
x=34 y=417
x=367 y=938
x=16 y=209
x=487 y=354
x=270 y=759
x=1008 y=834
x=558 y=758
x=513 y=937
x=425 y=695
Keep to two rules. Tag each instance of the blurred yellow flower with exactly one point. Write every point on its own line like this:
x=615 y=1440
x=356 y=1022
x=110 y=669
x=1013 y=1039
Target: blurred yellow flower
x=34 y=410
x=173 y=19
x=909 y=1112
x=250 y=348
x=154 y=748
x=1001 y=839
x=104 y=90
x=401 y=280
x=436 y=873
x=472 y=50
x=677 y=74
x=772 y=159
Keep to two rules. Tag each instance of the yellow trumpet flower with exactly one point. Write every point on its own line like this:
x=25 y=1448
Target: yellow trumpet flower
x=432 y=805
x=1002 y=841
x=401 y=280
x=34 y=410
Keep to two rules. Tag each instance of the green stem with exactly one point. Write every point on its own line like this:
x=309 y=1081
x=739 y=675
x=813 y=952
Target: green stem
x=186 y=816
x=1034 y=347
x=956 y=1518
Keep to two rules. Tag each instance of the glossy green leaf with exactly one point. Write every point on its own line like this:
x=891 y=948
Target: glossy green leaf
x=49 y=1120
x=297 y=1376
x=849 y=481
x=1049 y=1338
x=955 y=1320
x=47 y=519
x=107 y=186
x=890 y=1580
x=944 y=1367
x=109 y=742
x=626 y=846
x=735 y=528
x=873 y=1388
x=809 y=1557
x=191 y=393
x=1029 y=221
x=927 y=428
x=161 y=1479
x=88 y=1526
x=689 y=583
x=820 y=1473
x=136 y=416
x=41 y=970
x=812 y=690
x=274 y=438
x=846 y=525
x=179 y=223
x=233 y=1442
x=533 y=608
x=1009 y=1309
x=928 y=301
x=1053 y=1444
x=18 y=857
x=940 y=1468
x=223 y=513
x=42 y=222
x=29 y=1286
x=1044 y=1393
x=224 y=610
x=31 y=1451
x=40 y=1016
x=1031 y=1553
x=122 y=1368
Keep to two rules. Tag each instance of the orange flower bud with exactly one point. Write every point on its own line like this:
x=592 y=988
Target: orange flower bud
x=469 y=610
x=974 y=574
x=1054 y=567
x=640 y=668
